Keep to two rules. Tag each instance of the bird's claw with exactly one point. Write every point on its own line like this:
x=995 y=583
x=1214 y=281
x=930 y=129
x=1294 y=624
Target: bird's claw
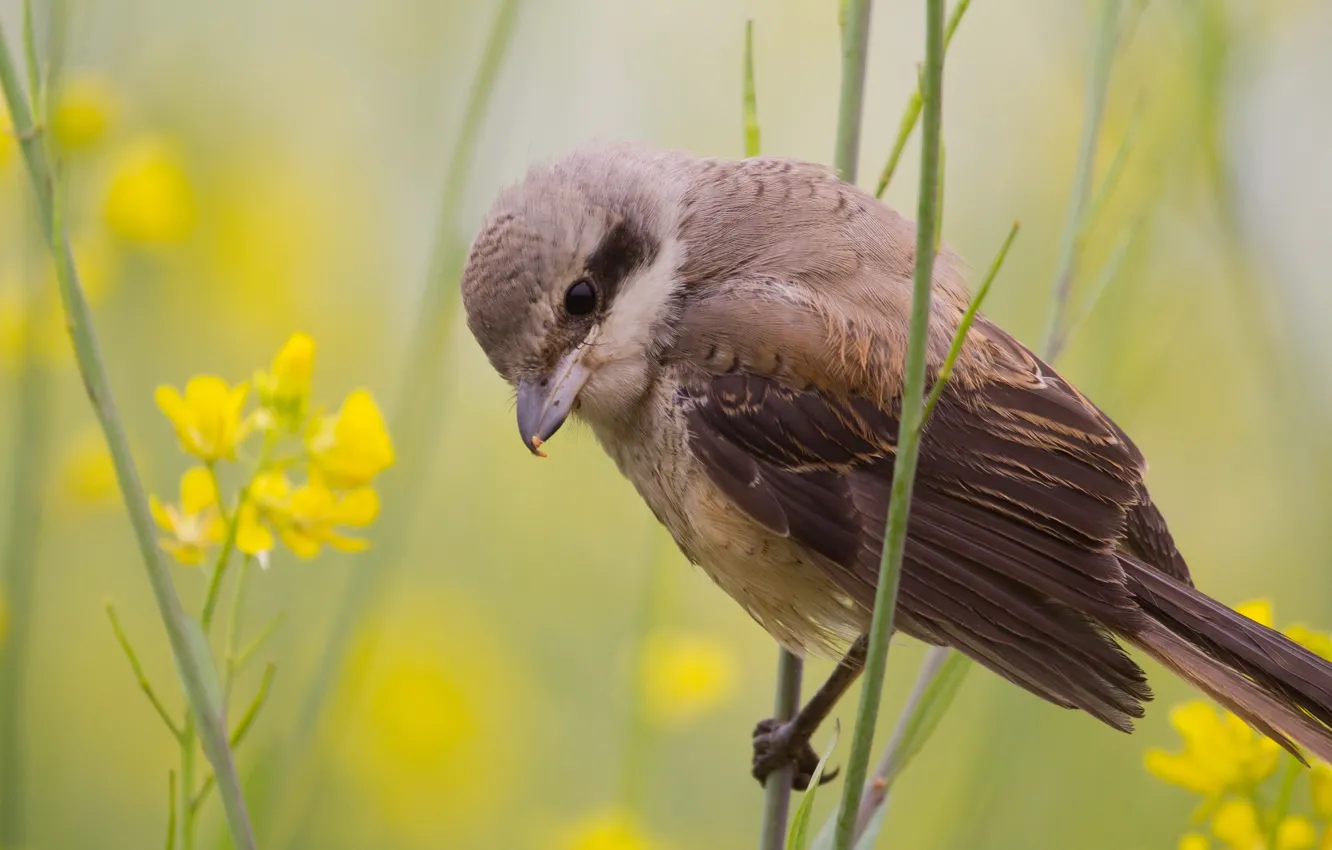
x=777 y=745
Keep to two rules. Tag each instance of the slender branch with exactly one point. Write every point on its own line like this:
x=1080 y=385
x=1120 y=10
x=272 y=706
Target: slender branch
x=139 y=675
x=851 y=104
x=245 y=655
x=777 y=787
x=960 y=336
x=790 y=668
x=1098 y=86
x=941 y=659
x=234 y=628
x=98 y=386
x=753 y=135
x=913 y=410
x=242 y=728
x=171 y=810
x=911 y=114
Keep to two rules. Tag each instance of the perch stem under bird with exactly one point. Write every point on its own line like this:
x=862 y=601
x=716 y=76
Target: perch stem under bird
x=734 y=333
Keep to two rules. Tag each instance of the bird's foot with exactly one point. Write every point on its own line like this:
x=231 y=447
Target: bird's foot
x=777 y=745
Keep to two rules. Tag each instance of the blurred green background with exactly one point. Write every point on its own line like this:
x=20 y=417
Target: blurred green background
x=542 y=669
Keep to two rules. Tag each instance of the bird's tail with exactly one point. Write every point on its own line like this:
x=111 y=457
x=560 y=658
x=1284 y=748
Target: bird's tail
x=1277 y=686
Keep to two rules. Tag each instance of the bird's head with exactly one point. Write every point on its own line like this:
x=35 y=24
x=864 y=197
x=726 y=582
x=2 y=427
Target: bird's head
x=570 y=285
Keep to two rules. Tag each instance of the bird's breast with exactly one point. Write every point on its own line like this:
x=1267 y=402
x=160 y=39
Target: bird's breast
x=773 y=578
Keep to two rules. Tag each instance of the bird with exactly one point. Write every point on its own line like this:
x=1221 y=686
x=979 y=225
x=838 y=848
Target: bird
x=734 y=333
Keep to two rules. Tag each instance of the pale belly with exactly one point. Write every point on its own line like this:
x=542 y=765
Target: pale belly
x=772 y=578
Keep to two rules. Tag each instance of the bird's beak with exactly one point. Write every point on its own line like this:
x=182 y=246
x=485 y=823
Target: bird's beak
x=544 y=404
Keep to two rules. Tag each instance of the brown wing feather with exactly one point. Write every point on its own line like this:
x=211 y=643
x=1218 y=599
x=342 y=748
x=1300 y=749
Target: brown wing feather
x=1011 y=534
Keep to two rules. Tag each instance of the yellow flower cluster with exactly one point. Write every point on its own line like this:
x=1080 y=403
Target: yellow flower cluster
x=683 y=676
x=1227 y=764
x=340 y=456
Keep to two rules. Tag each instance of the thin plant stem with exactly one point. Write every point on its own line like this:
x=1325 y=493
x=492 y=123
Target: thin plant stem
x=913 y=410
x=637 y=736
x=253 y=647
x=790 y=668
x=198 y=679
x=171 y=810
x=777 y=788
x=231 y=519
x=1098 y=86
x=851 y=103
x=911 y=114
x=234 y=628
x=139 y=675
x=1284 y=794
x=30 y=458
x=753 y=134
x=960 y=336
x=940 y=658
x=242 y=728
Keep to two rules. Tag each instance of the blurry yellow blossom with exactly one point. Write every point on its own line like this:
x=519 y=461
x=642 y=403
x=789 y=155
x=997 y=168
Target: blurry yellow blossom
x=208 y=418
x=284 y=390
x=1237 y=825
x=1258 y=610
x=1220 y=754
x=13 y=325
x=305 y=517
x=611 y=829
x=87 y=475
x=684 y=676
x=150 y=200
x=440 y=719
x=354 y=446
x=1319 y=643
x=8 y=144
x=195 y=524
x=84 y=110
x=1194 y=841
x=1320 y=778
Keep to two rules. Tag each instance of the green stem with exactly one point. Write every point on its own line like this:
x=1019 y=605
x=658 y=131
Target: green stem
x=777 y=788
x=753 y=135
x=911 y=114
x=1098 y=86
x=233 y=629
x=188 y=743
x=851 y=104
x=92 y=368
x=232 y=522
x=30 y=455
x=913 y=410
x=139 y=675
x=637 y=735
x=171 y=810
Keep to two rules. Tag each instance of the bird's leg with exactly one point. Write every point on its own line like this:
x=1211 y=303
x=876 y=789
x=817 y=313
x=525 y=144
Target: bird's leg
x=777 y=744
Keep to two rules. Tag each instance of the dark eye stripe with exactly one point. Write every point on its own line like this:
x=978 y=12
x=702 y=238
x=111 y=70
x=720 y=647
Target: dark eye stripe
x=625 y=249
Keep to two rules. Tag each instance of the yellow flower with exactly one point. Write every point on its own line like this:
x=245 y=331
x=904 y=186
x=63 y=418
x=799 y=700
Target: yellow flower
x=305 y=517
x=13 y=326
x=1320 y=786
x=684 y=676
x=84 y=110
x=1258 y=610
x=350 y=449
x=1237 y=825
x=1194 y=841
x=284 y=390
x=1220 y=754
x=436 y=701
x=87 y=475
x=150 y=200
x=1319 y=643
x=195 y=525
x=208 y=418
x=611 y=829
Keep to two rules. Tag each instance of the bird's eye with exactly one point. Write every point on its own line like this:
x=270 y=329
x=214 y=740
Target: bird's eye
x=580 y=299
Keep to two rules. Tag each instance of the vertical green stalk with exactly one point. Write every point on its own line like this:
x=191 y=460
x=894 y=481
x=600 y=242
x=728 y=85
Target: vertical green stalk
x=851 y=104
x=29 y=461
x=190 y=649
x=908 y=446
x=943 y=669
x=1098 y=86
x=790 y=668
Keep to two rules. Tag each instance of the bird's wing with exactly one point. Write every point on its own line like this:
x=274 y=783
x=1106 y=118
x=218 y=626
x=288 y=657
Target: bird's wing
x=1021 y=498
